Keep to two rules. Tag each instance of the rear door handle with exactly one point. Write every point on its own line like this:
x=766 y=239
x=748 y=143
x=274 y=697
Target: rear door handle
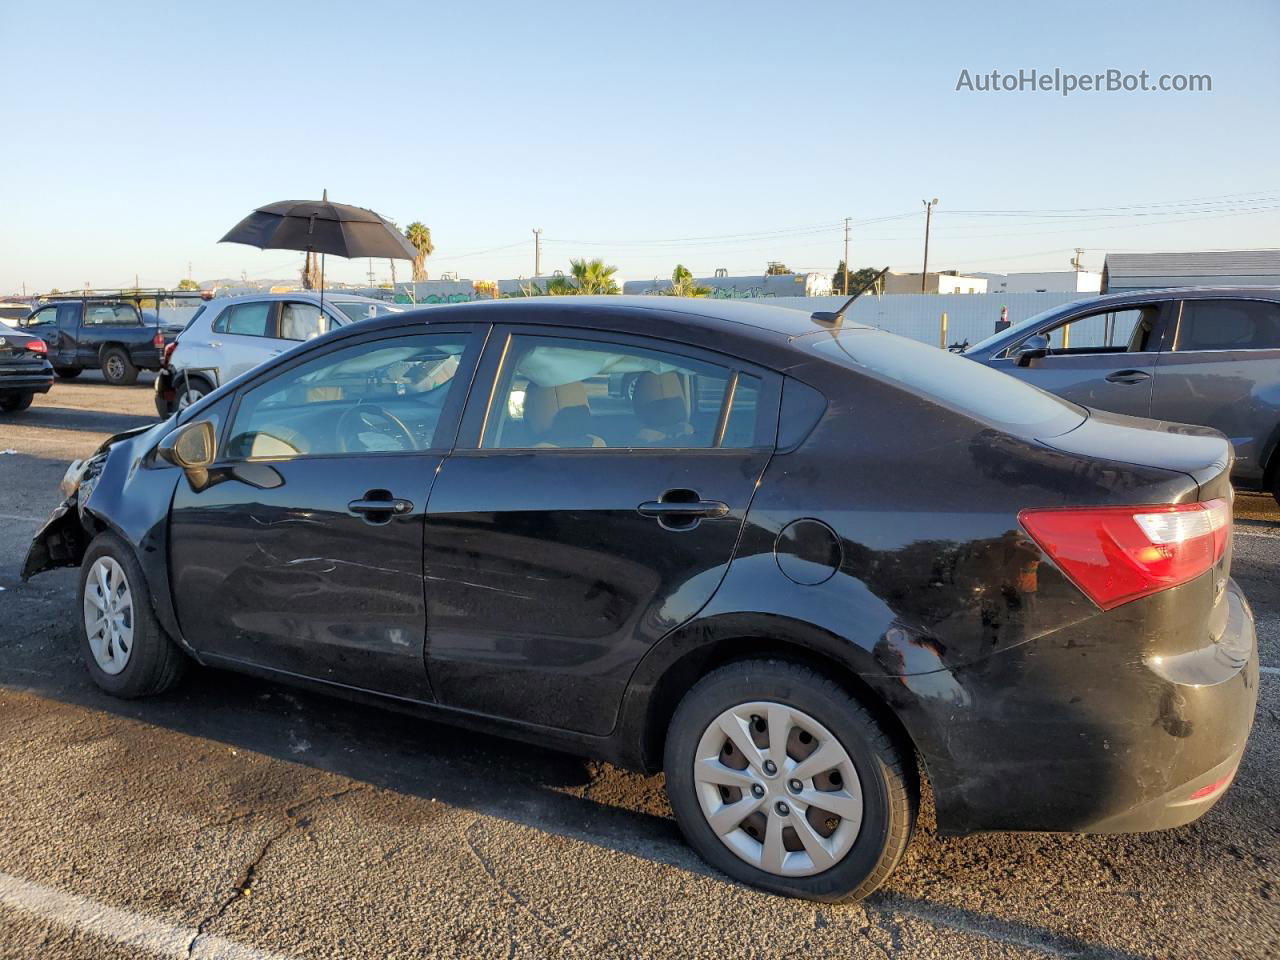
x=215 y=344
x=682 y=510
x=1128 y=376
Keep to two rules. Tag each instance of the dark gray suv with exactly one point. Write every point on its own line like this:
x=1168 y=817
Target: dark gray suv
x=1203 y=355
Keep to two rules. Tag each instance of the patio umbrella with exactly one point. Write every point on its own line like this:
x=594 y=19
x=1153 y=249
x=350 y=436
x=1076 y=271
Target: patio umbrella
x=323 y=227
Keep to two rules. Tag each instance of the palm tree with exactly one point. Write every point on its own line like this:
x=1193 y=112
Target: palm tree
x=419 y=235
x=594 y=276
x=683 y=284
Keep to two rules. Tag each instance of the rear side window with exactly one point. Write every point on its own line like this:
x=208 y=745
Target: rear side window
x=110 y=315
x=591 y=394
x=950 y=379
x=1228 y=325
x=245 y=319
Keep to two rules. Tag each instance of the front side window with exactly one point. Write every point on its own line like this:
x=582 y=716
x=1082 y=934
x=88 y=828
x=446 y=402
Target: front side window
x=300 y=321
x=1228 y=325
x=565 y=393
x=246 y=319
x=370 y=398
x=110 y=315
x=1110 y=331
x=45 y=317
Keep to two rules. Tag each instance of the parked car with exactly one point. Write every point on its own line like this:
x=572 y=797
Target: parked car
x=798 y=557
x=1208 y=356
x=108 y=333
x=24 y=369
x=229 y=336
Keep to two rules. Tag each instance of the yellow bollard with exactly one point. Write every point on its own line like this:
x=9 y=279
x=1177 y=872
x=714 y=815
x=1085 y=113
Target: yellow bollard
x=942 y=332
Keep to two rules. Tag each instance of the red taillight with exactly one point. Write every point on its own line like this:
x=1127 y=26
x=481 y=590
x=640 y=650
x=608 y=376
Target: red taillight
x=168 y=352
x=158 y=340
x=1118 y=554
x=37 y=346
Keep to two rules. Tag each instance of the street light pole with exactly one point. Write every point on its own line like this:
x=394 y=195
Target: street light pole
x=928 y=218
x=537 y=251
x=846 y=257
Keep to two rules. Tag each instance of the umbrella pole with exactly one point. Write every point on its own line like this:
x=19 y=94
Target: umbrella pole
x=322 y=323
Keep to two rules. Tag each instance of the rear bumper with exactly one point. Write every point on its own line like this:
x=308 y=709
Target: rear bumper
x=26 y=383
x=166 y=396
x=1093 y=729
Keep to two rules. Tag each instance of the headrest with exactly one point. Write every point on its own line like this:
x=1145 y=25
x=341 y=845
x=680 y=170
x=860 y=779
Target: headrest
x=660 y=400
x=543 y=405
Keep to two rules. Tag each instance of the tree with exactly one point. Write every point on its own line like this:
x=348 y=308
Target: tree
x=776 y=268
x=310 y=272
x=589 y=277
x=186 y=283
x=683 y=284
x=856 y=279
x=419 y=236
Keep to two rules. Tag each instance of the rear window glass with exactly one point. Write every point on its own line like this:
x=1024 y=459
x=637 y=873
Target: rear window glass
x=964 y=385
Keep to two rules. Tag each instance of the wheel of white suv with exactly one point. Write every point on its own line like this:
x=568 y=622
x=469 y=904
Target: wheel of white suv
x=188 y=391
x=125 y=649
x=782 y=780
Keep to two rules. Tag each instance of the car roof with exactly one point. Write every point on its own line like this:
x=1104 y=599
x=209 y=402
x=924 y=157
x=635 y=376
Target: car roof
x=307 y=295
x=752 y=320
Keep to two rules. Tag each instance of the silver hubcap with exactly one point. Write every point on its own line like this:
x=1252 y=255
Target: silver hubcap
x=115 y=369
x=778 y=789
x=108 y=615
x=189 y=396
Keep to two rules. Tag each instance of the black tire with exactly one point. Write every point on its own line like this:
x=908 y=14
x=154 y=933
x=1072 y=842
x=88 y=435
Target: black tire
x=117 y=368
x=155 y=664
x=16 y=402
x=886 y=771
x=189 y=389
x=68 y=373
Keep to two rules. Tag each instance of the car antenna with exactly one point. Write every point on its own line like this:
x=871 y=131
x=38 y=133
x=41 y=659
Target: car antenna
x=829 y=319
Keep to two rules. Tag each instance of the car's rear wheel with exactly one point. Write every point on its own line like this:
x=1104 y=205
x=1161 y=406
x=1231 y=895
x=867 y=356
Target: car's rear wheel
x=782 y=780
x=188 y=391
x=127 y=652
x=68 y=373
x=117 y=368
x=15 y=402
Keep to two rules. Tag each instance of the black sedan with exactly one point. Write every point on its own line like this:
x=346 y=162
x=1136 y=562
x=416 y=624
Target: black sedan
x=798 y=565
x=24 y=369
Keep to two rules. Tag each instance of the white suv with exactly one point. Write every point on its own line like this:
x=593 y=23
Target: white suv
x=230 y=335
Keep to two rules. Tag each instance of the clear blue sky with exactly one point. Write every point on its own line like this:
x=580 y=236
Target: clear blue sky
x=137 y=133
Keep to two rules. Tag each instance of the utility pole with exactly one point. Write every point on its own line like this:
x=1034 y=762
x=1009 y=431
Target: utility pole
x=1078 y=261
x=537 y=251
x=370 y=273
x=928 y=218
x=846 y=257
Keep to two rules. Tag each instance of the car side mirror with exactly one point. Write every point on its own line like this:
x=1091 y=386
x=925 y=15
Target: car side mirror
x=193 y=447
x=1034 y=347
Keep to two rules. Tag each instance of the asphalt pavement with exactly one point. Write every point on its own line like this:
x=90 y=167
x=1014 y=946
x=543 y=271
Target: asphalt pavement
x=242 y=819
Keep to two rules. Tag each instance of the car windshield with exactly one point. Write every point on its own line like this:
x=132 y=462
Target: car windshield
x=363 y=309
x=968 y=387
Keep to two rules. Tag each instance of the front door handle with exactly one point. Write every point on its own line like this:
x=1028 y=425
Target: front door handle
x=214 y=343
x=1128 y=376
x=379 y=509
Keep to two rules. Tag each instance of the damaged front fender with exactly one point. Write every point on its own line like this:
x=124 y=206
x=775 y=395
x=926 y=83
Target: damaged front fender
x=61 y=542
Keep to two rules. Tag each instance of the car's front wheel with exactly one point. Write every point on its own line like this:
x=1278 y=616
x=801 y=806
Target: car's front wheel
x=782 y=780
x=127 y=652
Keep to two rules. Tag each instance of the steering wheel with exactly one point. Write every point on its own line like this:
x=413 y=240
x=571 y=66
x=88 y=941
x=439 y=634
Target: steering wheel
x=375 y=418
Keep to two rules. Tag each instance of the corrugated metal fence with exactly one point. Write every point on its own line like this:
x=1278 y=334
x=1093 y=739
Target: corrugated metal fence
x=970 y=316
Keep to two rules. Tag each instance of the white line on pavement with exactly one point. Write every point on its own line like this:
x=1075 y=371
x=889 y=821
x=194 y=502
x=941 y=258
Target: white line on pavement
x=132 y=930
x=1274 y=671
x=15 y=516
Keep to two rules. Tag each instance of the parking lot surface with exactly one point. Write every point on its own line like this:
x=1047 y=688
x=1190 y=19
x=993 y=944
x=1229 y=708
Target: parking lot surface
x=241 y=819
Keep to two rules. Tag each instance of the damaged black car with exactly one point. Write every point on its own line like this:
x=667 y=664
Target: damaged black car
x=798 y=564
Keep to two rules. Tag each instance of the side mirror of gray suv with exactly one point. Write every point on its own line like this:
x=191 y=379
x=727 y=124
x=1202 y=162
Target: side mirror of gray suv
x=1032 y=348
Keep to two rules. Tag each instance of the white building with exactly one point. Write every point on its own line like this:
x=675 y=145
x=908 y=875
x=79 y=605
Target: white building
x=1047 y=281
x=1208 y=268
x=724 y=287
